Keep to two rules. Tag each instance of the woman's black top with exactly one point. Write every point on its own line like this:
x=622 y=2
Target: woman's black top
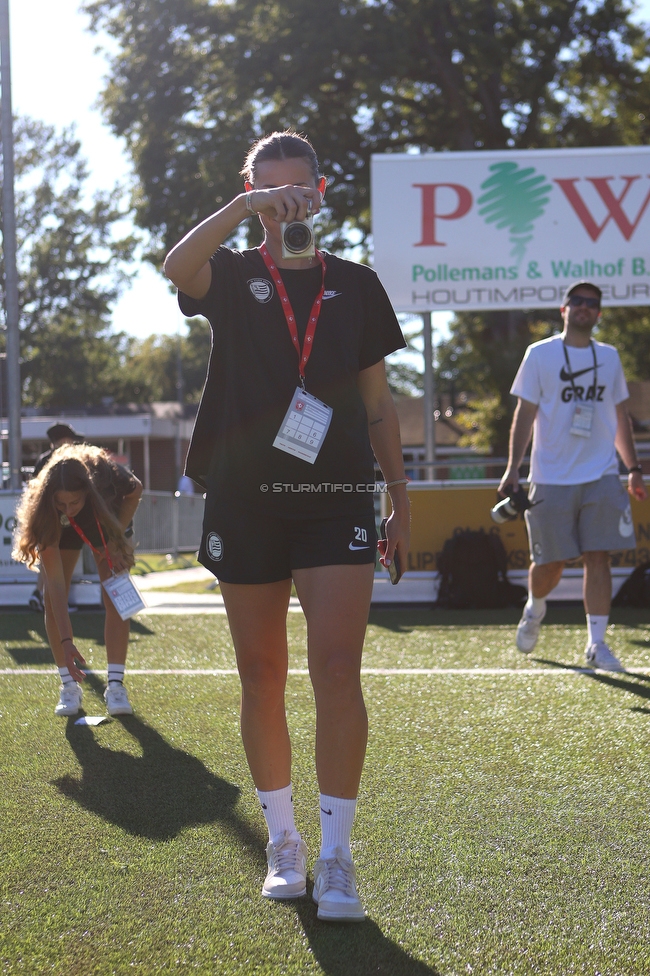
x=253 y=374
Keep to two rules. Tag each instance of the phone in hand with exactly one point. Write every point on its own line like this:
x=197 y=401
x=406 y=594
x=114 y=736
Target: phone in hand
x=395 y=568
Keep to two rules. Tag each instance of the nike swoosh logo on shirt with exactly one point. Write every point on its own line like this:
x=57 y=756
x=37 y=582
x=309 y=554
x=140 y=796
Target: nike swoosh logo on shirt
x=567 y=377
x=357 y=547
x=331 y=294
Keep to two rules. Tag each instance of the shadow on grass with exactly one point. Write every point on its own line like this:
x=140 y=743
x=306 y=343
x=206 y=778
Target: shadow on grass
x=86 y=625
x=163 y=791
x=31 y=655
x=155 y=795
x=343 y=948
x=406 y=619
x=613 y=680
x=402 y=621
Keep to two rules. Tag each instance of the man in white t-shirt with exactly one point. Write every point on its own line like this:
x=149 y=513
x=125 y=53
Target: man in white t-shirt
x=573 y=397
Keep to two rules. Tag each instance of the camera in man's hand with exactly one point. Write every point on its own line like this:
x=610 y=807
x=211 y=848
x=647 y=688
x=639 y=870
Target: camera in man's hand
x=515 y=503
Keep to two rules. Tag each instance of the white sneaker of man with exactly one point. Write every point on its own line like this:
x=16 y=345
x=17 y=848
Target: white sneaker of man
x=286 y=855
x=335 y=889
x=599 y=655
x=117 y=700
x=528 y=630
x=70 y=696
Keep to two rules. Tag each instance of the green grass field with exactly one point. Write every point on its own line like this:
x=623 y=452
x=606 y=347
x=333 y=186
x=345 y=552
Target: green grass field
x=502 y=828
x=155 y=562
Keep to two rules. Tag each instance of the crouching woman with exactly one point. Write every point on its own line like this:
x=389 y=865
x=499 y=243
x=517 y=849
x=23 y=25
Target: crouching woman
x=82 y=494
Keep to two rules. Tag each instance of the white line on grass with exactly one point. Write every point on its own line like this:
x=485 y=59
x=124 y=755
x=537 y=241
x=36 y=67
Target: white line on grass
x=301 y=672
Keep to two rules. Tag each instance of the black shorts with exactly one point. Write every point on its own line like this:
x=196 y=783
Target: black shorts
x=244 y=547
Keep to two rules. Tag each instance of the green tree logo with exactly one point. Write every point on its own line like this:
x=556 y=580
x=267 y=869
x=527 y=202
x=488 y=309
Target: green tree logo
x=514 y=198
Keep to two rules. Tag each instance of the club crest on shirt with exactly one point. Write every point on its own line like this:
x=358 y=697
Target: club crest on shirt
x=261 y=290
x=214 y=545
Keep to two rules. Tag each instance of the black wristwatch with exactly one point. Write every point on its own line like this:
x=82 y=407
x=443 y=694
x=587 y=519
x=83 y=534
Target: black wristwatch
x=635 y=467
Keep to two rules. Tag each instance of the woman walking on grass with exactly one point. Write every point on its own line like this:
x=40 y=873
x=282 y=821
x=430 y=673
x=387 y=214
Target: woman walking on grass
x=80 y=495
x=295 y=403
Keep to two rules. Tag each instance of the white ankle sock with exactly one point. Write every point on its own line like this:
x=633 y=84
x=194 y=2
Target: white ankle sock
x=116 y=673
x=336 y=818
x=66 y=677
x=596 y=627
x=277 y=807
x=536 y=605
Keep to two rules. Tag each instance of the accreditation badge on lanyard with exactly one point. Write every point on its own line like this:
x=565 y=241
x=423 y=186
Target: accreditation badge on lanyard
x=583 y=414
x=307 y=420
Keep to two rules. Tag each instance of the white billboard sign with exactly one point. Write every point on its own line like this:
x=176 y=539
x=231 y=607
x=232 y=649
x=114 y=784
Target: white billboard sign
x=511 y=229
x=9 y=569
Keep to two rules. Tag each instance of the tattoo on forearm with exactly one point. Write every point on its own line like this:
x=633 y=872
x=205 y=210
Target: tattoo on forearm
x=378 y=421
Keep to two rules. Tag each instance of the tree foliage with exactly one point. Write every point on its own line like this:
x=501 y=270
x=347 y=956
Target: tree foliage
x=71 y=269
x=482 y=357
x=629 y=330
x=151 y=366
x=195 y=81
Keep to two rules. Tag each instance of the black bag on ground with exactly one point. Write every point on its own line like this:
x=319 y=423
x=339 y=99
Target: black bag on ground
x=635 y=591
x=472 y=567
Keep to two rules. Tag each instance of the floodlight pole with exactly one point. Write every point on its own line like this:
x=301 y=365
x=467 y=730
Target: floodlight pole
x=9 y=248
x=429 y=397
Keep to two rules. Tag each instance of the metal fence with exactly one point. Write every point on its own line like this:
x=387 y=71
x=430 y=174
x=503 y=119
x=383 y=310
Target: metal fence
x=165 y=522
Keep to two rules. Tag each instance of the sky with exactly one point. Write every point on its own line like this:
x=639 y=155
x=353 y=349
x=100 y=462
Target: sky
x=57 y=75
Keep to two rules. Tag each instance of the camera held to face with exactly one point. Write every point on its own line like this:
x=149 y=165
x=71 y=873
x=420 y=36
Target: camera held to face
x=298 y=238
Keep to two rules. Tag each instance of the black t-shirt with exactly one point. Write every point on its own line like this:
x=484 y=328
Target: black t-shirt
x=113 y=489
x=253 y=374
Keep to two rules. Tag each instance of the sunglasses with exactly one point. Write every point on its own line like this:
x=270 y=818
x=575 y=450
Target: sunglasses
x=577 y=300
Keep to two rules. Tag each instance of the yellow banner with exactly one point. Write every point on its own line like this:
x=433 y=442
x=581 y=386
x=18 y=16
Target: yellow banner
x=437 y=512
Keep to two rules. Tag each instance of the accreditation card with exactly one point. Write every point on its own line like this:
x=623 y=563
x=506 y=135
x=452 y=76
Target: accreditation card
x=124 y=595
x=304 y=427
x=582 y=419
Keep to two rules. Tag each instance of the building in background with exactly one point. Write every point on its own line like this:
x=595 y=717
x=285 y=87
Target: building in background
x=151 y=440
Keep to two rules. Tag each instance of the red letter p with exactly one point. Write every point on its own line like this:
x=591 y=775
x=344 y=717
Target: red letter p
x=430 y=215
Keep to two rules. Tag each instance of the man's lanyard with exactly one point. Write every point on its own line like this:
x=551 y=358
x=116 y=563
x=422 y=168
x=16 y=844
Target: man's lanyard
x=305 y=352
x=80 y=532
x=568 y=364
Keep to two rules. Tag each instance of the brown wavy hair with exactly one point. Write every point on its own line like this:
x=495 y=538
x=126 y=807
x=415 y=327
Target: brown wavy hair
x=73 y=467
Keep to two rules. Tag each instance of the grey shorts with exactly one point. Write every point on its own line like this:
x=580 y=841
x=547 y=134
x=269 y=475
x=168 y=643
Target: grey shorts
x=572 y=519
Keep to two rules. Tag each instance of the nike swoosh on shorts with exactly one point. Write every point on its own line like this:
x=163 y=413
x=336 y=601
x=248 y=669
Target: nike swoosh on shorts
x=357 y=547
x=567 y=377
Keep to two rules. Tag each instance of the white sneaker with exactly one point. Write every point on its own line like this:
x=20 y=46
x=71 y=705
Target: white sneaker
x=117 y=700
x=70 y=696
x=599 y=655
x=287 y=875
x=335 y=890
x=528 y=630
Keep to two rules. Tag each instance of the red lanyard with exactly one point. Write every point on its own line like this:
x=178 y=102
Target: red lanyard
x=308 y=345
x=80 y=532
